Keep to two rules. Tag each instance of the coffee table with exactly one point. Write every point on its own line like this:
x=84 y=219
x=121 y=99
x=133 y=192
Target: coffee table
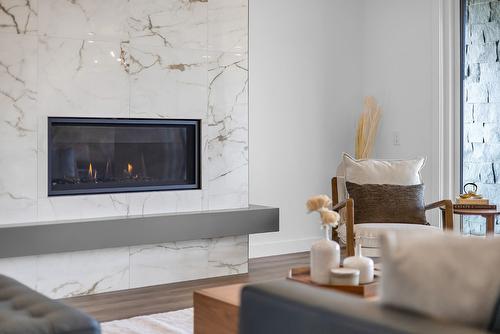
x=216 y=310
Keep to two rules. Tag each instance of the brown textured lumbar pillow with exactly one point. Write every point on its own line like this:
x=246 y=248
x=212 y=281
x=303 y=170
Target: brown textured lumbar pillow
x=387 y=203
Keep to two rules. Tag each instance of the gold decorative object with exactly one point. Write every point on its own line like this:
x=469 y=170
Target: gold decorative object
x=470 y=194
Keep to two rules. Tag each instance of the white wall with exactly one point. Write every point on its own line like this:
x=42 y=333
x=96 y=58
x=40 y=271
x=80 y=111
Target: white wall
x=304 y=99
x=310 y=65
x=399 y=68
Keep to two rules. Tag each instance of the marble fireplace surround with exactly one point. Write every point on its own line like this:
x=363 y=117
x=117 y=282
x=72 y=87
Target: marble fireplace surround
x=149 y=59
x=123 y=59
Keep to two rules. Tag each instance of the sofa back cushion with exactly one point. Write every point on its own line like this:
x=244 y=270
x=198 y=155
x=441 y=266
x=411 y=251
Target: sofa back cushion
x=441 y=275
x=387 y=203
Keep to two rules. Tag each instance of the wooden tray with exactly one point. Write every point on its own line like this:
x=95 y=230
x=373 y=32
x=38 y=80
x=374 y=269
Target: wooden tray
x=303 y=275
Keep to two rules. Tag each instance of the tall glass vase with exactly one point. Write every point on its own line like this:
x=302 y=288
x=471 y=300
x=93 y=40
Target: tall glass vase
x=325 y=255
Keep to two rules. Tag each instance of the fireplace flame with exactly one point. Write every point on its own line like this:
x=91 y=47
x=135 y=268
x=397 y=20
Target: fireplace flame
x=130 y=168
x=91 y=171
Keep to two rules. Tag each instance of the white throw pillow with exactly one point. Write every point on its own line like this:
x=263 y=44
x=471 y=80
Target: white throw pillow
x=372 y=171
x=444 y=276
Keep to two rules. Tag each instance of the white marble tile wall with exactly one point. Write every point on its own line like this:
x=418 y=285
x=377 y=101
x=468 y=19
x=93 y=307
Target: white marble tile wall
x=88 y=272
x=121 y=58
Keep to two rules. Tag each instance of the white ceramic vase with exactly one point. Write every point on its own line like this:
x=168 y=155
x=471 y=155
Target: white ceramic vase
x=325 y=255
x=362 y=263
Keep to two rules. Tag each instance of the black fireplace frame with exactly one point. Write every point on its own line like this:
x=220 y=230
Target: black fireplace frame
x=124 y=121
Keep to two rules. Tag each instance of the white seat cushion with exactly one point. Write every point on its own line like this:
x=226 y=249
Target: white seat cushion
x=369 y=234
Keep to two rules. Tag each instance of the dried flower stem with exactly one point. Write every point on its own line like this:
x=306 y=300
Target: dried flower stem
x=367 y=128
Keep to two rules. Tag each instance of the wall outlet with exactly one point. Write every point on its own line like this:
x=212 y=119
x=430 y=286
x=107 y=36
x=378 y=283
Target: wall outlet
x=395 y=138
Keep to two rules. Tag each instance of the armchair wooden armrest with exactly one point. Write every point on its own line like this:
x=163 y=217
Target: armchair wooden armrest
x=348 y=204
x=447 y=212
x=340 y=205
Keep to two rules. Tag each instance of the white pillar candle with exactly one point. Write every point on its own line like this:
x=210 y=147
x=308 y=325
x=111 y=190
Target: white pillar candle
x=344 y=276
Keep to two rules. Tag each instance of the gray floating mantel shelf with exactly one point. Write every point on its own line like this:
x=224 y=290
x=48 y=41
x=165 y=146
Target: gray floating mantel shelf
x=77 y=235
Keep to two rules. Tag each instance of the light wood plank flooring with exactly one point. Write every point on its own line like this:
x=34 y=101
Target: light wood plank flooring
x=169 y=297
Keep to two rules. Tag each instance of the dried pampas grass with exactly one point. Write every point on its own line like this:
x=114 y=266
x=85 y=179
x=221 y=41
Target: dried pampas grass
x=367 y=128
x=317 y=202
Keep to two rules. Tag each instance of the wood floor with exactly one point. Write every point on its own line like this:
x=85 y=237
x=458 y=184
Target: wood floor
x=176 y=296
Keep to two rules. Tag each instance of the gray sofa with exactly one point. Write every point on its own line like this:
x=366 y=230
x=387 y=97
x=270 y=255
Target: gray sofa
x=24 y=311
x=292 y=308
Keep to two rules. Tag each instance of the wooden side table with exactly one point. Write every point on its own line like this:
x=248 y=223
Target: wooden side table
x=216 y=310
x=489 y=215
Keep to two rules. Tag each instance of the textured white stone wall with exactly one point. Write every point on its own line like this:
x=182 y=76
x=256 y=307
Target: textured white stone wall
x=482 y=104
x=120 y=58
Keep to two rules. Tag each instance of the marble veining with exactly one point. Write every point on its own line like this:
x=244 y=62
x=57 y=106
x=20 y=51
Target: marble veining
x=228 y=256
x=18 y=101
x=188 y=260
x=167 y=82
x=123 y=58
x=169 y=23
x=18 y=16
x=179 y=261
x=227 y=146
x=83 y=273
x=82 y=77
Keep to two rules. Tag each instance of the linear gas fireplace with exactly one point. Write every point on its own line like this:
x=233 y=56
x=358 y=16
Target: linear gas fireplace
x=104 y=155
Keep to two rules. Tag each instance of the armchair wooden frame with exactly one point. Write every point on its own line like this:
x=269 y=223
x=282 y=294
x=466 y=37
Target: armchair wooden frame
x=348 y=204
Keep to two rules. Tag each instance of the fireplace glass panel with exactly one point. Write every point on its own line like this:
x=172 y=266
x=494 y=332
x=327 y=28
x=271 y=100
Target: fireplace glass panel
x=120 y=155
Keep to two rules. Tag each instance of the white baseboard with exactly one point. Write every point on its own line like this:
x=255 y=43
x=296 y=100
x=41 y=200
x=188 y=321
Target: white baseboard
x=280 y=247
